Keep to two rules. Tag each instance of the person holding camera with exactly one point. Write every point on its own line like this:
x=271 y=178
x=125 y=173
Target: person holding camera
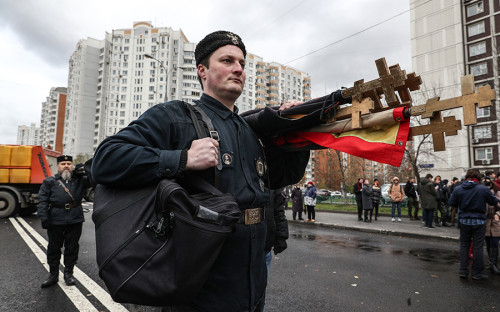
x=61 y=213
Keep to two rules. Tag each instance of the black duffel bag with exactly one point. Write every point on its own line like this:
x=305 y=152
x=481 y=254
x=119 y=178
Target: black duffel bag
x=156 y=245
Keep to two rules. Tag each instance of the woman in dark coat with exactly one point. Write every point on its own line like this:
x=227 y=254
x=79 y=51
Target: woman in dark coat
x=367 y=194
x=376 y=195
x=297 y=202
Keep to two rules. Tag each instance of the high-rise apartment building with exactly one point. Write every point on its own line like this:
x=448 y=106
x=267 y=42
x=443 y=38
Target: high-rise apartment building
x=451 y=39
x=145 y=66
x=269 y=84
x=113 y=81
x=83 y=94
x=28 y=135
x=52 y=119
x=481 y=26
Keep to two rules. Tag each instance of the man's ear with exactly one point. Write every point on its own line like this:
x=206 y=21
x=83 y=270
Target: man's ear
x=202 y=71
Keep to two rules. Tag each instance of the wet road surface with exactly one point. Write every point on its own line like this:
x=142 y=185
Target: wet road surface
x=323 y=269
x=340 y=270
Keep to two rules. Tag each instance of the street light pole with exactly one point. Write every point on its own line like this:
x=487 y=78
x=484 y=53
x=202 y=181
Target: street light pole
x=167 y=72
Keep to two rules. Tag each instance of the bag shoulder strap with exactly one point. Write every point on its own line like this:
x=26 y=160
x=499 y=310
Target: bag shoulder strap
x=66 y=190
x=200 y=119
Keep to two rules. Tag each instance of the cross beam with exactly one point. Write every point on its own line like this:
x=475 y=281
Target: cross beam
x=467 y=101
x=437 y=128
x=391 y=80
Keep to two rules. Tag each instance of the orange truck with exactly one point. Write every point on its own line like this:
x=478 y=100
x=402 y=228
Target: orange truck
x=22 y=171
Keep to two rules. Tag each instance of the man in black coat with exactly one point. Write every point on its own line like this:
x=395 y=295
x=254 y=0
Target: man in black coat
x=163 y=143
x=358 y=189
x=61 y=214
x=411 y=193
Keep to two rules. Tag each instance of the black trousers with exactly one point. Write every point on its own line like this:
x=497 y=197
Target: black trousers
x=311 y=213
x=359 y=202
x=475 y=234
x=67 y=235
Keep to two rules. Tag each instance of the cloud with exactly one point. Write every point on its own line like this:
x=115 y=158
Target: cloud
x=38 y=38
x=41 y=28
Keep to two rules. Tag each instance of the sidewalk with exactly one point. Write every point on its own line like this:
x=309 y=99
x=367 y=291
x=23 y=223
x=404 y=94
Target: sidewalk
x=384 y=225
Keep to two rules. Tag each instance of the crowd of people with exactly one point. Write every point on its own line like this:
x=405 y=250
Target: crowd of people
x=471 y=203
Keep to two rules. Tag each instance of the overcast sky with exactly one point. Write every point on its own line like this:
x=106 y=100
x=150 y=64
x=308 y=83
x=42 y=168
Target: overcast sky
x=37 y=38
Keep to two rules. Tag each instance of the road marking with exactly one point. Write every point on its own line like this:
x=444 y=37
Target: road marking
x=78 y=299
x=97 y=291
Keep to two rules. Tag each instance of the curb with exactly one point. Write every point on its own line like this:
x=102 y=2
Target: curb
x=377 y=231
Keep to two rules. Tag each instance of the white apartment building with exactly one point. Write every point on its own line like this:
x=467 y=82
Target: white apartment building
x=451 y=39
x=146 y=66
x=437 y=49
x=269 y=84
x=52 y=119
x=113 y=81
x=28 y=135
x=83 y=78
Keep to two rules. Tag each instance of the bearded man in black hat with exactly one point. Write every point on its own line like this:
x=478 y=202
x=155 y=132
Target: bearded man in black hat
x=61 y=214
x=163 y=143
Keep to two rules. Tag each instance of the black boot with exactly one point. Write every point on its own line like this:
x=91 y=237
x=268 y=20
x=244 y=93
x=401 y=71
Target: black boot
x=53 y=278
x=493 y=261
x=68 y=277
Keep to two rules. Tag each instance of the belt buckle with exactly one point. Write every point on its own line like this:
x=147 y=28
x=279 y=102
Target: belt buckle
x=252 y=216
x=67 y=206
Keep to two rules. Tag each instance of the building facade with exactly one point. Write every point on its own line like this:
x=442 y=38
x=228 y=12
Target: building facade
x=28 y=135
x=271 y=83
x=113 y=81
x=53 y=118
x=83 y=80
x=481 y=27
x=451 y=39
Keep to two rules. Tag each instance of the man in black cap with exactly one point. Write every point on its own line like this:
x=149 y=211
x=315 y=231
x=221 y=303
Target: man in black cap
x=61 y=214
x=163 y=143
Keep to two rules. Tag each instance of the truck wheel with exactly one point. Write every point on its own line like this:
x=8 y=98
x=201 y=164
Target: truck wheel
x=8 y=204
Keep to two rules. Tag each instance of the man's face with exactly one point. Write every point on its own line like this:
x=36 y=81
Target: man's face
x=64 y=165
x=412 y=180
x=225 y=78
x=493 y=176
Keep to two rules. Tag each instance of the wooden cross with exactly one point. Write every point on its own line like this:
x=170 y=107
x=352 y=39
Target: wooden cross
x=437 y=128
x=467 y=101
x=391 y=80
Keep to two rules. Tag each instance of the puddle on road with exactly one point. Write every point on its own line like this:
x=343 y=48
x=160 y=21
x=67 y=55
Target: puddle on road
x=433 y=255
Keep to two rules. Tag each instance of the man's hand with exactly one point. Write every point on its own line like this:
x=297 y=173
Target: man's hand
x=279 y=246
x=79 y=170
x=202 y=154
x=45 y=224
x=290 y=103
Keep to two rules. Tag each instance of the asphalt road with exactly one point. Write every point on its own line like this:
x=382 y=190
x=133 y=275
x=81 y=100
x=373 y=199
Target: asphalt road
x=323 y=269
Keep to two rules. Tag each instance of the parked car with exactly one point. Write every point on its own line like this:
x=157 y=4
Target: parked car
x=336 y=193
x=322 y=192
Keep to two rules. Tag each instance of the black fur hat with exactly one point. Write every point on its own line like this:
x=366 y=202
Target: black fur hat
x=216 y=40
x=64 y=158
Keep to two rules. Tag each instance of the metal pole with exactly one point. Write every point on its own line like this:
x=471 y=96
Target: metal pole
x=166 y=73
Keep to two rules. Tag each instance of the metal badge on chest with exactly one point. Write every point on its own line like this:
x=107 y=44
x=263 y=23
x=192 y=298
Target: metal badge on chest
x=260 y=166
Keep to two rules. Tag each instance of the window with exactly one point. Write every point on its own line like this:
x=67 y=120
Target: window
x=477 y=49
x=475 y=8
x=483 y=112
x=479 y=69
x=482 y=132
x=476 y=29
x=484 y=153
